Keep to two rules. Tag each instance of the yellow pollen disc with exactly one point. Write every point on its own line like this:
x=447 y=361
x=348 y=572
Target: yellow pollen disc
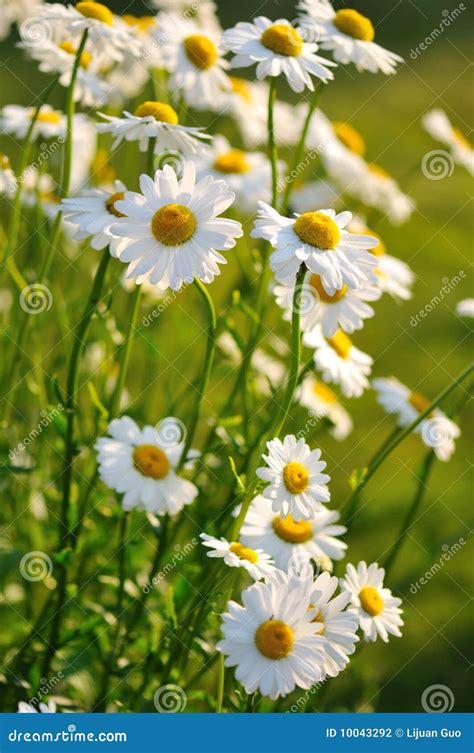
x=233 y=161
x=110 y=203
x=289 y=530
x=318 y=230
x=371 y=601
x=340 y=343
x=282 y=39
x=295 y=477
x=201 y=51
x=377 y=170
x=151 y=461
x=86 y=57
x=143 y=23
x=349 y=137
x=159 y=110
x=244 y=552
x=323 y=392
x=316 y=284
x=274 y=639
x=240 y=87
x=418 y=401
x=96 y=10
x=50 y=197
x=461 y=138
x=354 y=24
x=4 y=162
x=318 y=618
x=48 y=117
x=101 y=170
x=173 y=224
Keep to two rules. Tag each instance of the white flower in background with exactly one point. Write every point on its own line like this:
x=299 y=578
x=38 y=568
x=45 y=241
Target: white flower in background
x=15 y=120
x=15 y=12
x=340 y=361
x=44 y=708
x=154 y=120
x=271 y=639
x=40 y=188
x=174 y=229
x=7 y=176
x=194 y=60
x=376 y=609
x=256 y=562
x=202 y=12
x=288 y=541
x=315 y=193
x=143 y=27
x=140 y=464
x=349 y=35
x=465 y=307
x=437 y=123
x=320 y=241
x=269 y=373
x=322 y=402
x=296 y=484
x=437 y=430
x=278 y=48
x=84 y=152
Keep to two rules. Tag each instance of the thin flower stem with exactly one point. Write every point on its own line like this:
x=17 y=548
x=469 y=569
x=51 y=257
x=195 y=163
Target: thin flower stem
x=272 y=147
x=126 y=351
x=67 y=162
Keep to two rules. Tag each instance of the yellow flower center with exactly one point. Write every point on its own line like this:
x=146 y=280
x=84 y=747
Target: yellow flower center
x=318 y=618
x=151 y=461
x=110 y=203
x=349 y=137
x=418 y=401
x=143 y=23
x=371 y=601
x=380 y=249
x=274 y=639
x=354 y=24
x=244 y=552
x=4 y=162
x=86 y=57
x=289 y=530
x=461 y=138
x=96 y=10
x=101 y=170
x=282 y=39
x=318 y=230
x=323 y=392
x=173 y=224
x=341 y=343
x=377 y=170
x=201 y=51
x=240 y=87
x=295 y=477
x=233 y=161
x=48 y=116
x=161 y=111
x=316 y=284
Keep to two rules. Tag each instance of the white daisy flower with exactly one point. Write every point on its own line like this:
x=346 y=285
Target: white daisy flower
x=40 y=188
x=7 y=176
x=346 y=309
x=340 y=361
x=15 y=120
x=437 y=430
x=269 y=373
x=154 y=120
x=174 y=228
x=271 y=638
x=437 y=123
x=322 y=402
x=349 y=35
x=320 y=241
x=143 y=27
x=194 y=59
x=44 y=708
x=465 y=307
x=376 y=609
x=296 y=484
x=203 y=12
x=315 y=193
x=256 y=562
x=139 y=464
x=15 y=12
x=288 y=541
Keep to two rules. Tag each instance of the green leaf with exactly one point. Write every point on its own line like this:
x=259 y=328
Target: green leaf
x=357 y=477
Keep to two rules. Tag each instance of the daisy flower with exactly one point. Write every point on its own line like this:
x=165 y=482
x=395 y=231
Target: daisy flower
x=15 y=12
x=7 y=176
x=15 y=120
x=156 y=120
x=322 y=402
x=256 y=562
x=174 y=228
x=194 y=59
x=288 y=541
x=376 y=609
x=465 y=307
x=40 y=188
x=44 y=708
x=271 y=638
x=278 y=48
x=140 y=463
x=350 y=37
x=203 y=12
x=340 y=361
x=296 y=484
x=320 y=241
x=437 y=123
x=437 y=430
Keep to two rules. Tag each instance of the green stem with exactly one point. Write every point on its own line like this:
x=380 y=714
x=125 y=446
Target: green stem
x=272 y=147
x=67 y=162
x=126 y=351
x=221 y=666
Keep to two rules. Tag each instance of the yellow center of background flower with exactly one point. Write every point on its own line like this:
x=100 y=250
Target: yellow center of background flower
x=48 y=117
x=96 y=10
x=274 y=639
x=341 y=343
x=85 y=59
x=349 y=137
x=173 y=224
x=380 y=249
x=282 y=39
x=295 y=477
x=371 y=600
x=461 y=138
x=418 y=401
x=354 y=24
x=289 y=530
x=4 y=162
x=244 y=552
x=102 y=171
x=241 y=87
x=161 y=111
x=317 y=229
x=316 y=284
x=110 y=203
x=381 y=172
x=233 y=161
x=201 y=51
x=323 y=392
x=142 y=23
x=151 y=461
